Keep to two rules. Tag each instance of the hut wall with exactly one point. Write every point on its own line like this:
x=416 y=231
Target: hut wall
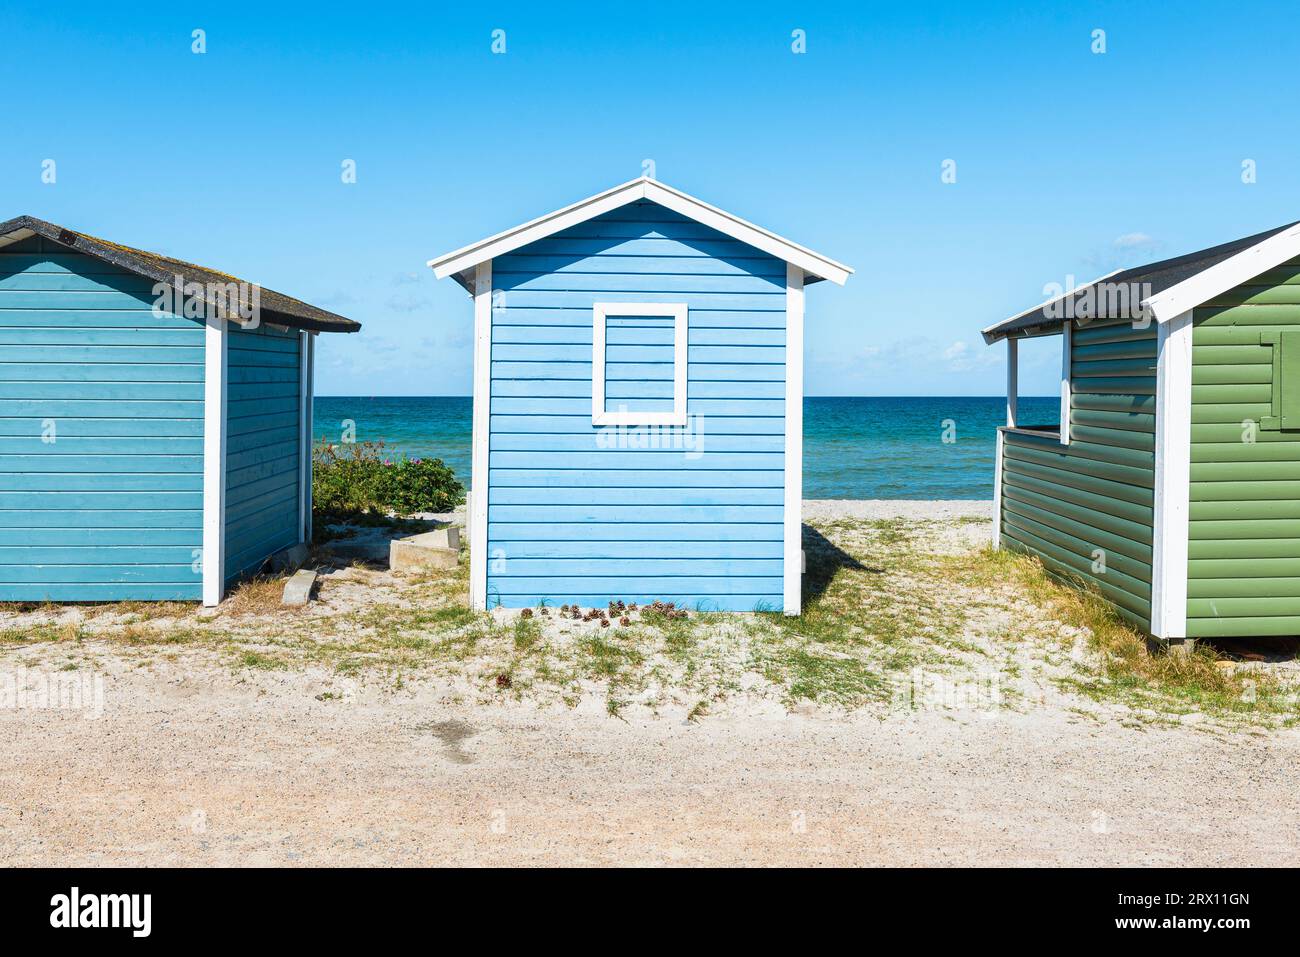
x=1086 y=508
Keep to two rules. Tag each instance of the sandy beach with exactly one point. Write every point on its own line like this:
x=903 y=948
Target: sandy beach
x=199 y=758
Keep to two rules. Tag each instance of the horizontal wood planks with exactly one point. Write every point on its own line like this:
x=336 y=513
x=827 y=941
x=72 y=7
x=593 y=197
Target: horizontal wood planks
x=101 y=434
x=583 y=514
x=262 y=447
x=1085 y=509
x=1244 y=548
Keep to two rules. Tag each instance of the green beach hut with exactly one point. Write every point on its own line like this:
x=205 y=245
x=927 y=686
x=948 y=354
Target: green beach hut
x=1172 y=483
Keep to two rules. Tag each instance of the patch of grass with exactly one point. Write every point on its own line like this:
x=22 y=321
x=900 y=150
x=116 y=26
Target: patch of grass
x=142 y=610
x=698 y=711
x=881 y=598
x=30 y=608
x=249 y=658
x=256 y=596
x=817 y=676
x=527 y=634
x=1125 y=664
x=875 y=584
x=680 y=636
x=134 y=633
x=448 y=633
x=41 y=632
x=605 y=659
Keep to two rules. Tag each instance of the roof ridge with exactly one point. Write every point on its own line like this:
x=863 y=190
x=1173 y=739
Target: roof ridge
x=460 y=263
x=283 y=309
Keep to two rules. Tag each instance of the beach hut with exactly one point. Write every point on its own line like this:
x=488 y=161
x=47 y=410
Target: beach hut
x=155 y=421
x=638 y=388
x=1172 y=483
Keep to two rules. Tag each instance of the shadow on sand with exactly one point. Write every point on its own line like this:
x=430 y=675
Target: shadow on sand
x=824 y=559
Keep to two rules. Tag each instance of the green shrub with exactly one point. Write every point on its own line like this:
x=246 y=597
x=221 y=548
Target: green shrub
x=366 y=477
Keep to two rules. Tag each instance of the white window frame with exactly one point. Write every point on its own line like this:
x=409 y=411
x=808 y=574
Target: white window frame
x=599 y=414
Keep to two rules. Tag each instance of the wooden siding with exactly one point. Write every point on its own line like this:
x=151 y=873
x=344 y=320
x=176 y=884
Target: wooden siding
x=112 y=509
x=639 y=360
x=1244 y=533
x=572 y=521
x=1064 y=502
x=262 y=446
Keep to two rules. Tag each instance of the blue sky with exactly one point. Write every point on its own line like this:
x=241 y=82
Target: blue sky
x=1068 y=162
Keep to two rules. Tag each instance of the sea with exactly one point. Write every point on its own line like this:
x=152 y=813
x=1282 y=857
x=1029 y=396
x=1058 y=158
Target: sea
x=854 y=447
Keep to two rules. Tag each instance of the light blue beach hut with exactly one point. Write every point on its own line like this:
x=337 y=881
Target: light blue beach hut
x=638 y=389
x=155 y=421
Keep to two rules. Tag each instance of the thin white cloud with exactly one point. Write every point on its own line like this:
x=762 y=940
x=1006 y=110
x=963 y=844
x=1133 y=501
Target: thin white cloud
x=1134 y=240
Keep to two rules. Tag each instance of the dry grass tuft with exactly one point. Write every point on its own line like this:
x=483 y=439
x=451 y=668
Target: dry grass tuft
x=256 y=596
x=1132 y=666
x=141 y=610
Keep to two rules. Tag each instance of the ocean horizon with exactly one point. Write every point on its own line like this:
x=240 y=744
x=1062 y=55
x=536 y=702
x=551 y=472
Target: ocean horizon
x=855 y=447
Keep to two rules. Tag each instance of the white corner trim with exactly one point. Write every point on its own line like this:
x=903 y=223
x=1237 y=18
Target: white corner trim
x=997 y=490
x=478 y=526
x=1067 y=403
x=1181 y=298
x=792 y=584
x=1013 y=380
x=467 y=257
x=600 y=414
x=304 y=435
x=214 y=461
x=1172 y=478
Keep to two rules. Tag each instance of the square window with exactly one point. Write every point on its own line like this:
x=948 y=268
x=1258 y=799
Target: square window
x=638 y=363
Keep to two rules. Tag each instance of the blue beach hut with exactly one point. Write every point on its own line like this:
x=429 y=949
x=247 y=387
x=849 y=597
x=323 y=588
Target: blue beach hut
x=638 y=389
x=155 y=421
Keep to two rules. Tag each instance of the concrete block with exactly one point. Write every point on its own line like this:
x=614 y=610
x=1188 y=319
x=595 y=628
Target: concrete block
x=437 y=549
x=446 y=537
x=289 y=559
x=369 y=551
x=298 y=589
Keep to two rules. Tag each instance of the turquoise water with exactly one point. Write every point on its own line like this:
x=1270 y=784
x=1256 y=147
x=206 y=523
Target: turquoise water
x=859 y=447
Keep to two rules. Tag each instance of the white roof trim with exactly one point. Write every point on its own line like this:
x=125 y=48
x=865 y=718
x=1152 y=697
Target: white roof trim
x=1221 y=277
x=465 y=259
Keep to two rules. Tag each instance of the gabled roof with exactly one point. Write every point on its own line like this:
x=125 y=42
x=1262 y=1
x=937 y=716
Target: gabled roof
x=275 y=307
x=1169 y=287
x=461 y=263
